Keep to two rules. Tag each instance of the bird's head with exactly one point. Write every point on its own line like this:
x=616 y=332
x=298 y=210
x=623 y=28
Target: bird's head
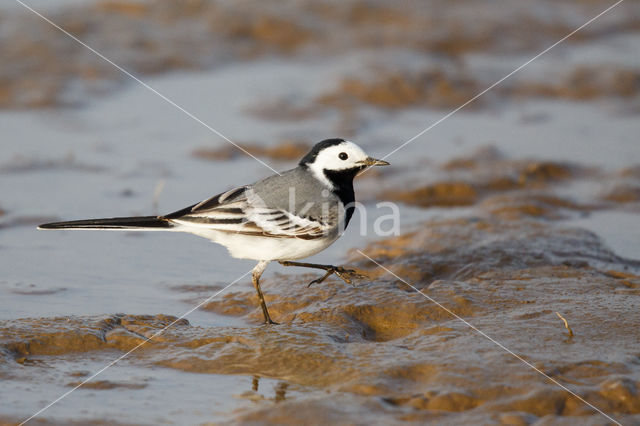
x=338 y=156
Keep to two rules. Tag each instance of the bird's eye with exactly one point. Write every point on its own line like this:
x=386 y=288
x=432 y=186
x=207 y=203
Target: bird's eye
x=343 y=156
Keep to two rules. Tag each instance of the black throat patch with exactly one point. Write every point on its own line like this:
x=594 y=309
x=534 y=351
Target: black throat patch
x=342 y=181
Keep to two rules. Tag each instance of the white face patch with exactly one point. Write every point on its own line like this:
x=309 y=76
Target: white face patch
x=344 y=156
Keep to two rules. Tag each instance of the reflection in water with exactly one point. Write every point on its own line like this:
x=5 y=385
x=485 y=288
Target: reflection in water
x=280 y=388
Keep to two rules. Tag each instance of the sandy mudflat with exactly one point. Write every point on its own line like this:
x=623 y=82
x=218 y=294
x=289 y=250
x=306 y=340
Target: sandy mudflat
x=518 y=213
x=383 y=351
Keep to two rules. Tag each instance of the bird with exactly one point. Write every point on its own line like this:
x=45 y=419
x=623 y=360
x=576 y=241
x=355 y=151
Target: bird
x=284 y=217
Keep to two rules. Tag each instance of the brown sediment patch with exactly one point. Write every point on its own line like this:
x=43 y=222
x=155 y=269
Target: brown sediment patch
x=488 y=164
x=583 y=83
x=285 y=151
x=329 y=410
x=107 y=385
x=361 y=14
x=533 y=205
x=543 y=172
x=542 y=403
x=232 y=304
x=304 y=355
x=623 y=193
x=65 y=335
x=433 y=88
x=588 y=372
x=447 y=401
x=265 y=31
x=123 y=7
x=631 y=172
x=473 y=180
x=446 y=194
x=627 y=279
x=620 y=395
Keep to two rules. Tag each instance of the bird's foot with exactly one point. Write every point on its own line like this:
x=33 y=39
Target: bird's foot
x=346 y=275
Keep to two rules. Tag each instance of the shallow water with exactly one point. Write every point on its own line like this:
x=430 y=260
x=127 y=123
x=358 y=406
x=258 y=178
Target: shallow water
x=548 y=223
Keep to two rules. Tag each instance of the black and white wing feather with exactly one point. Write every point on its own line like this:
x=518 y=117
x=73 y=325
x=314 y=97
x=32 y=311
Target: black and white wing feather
x=241 y=211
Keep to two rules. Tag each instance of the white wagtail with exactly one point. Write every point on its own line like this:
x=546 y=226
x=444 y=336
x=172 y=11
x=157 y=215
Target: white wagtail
x=283 y=217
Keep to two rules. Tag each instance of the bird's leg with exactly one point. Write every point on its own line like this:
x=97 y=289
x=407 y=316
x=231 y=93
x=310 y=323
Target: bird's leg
x=343 y=273
x=255 y=278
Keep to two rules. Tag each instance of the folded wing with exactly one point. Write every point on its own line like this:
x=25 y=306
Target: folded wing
x=241 y=211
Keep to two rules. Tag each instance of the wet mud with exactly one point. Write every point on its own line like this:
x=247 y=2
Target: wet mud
x=385 y=349
x=153 y=37
x=488 y=176
x=499 y=247
x=432 y=88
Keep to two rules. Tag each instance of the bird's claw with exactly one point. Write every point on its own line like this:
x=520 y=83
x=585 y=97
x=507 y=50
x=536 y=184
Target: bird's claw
x=346 y=275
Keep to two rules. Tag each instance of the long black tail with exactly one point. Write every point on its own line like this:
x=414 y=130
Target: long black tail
x=115 y=223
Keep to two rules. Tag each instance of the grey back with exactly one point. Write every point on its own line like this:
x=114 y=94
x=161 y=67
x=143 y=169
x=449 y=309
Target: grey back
x=298 y=189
